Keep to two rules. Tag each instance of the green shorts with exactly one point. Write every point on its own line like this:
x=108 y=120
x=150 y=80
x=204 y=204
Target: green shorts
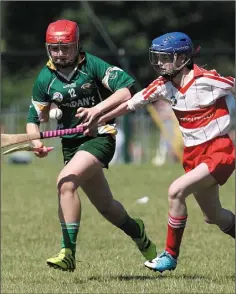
x=102 y=147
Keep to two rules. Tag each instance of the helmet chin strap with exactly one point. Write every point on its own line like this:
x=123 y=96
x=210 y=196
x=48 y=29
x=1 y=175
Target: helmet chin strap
x=176 y=69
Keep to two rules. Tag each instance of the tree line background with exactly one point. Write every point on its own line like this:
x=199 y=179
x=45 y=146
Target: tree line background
x=120 y=32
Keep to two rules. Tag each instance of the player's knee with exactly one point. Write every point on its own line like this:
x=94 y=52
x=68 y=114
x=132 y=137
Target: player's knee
x=175 y=192
x=64 y=187
x=68 y=183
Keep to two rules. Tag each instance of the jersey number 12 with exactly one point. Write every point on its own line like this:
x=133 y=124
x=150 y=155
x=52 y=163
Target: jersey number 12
x=72 y=93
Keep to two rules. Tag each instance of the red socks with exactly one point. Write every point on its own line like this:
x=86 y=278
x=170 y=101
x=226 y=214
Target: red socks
x=176 y=226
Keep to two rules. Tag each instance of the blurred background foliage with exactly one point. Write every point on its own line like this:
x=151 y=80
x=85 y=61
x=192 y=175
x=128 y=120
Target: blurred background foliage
x=120 y=32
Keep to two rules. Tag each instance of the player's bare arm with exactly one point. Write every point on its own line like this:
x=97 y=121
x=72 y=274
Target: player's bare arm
x=89 y=114
x=102 y=119
x=32 y=128
x=120 y=110
x=139 y=100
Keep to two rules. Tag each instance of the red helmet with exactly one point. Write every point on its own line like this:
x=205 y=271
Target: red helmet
x=62 y=42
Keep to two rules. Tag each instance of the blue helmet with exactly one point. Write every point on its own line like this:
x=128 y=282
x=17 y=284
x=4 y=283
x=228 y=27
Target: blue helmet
x=170 y=44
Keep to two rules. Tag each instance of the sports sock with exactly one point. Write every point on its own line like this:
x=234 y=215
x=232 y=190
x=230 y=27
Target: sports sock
x=176 y=226
x=69 y=235
x=130 y=227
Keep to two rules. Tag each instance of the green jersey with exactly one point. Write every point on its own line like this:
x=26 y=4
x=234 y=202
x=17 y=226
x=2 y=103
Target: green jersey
x=93 y=81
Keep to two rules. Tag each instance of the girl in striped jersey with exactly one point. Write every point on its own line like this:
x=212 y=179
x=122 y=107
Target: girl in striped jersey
x=203 y=103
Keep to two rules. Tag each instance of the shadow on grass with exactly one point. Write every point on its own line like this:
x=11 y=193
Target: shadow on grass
x=124 y=277
x=152 y=277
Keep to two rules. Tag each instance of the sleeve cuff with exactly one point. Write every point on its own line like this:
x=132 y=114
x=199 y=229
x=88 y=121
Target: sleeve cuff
x=130 y=104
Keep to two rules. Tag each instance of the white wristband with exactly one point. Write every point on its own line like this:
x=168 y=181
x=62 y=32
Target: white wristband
x=131 y=104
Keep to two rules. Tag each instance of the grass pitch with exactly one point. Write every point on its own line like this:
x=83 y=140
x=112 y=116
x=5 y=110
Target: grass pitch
x=107 y=260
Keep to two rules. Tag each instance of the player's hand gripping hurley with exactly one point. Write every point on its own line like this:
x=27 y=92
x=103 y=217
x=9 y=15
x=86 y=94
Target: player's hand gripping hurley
x=12 y=139
x=26 y=147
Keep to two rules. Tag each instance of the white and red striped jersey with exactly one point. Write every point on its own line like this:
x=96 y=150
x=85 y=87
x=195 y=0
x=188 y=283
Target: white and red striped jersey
x=203 y=106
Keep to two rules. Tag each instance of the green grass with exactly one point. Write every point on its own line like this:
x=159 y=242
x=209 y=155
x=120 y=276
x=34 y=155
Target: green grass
x=108 y=261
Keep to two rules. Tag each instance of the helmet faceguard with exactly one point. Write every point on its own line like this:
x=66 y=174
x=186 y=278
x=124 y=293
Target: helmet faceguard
x=166 y=63
x=165 y=50
x=62 y=42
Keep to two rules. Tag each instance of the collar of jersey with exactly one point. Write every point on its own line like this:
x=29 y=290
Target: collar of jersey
x=198 y=71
